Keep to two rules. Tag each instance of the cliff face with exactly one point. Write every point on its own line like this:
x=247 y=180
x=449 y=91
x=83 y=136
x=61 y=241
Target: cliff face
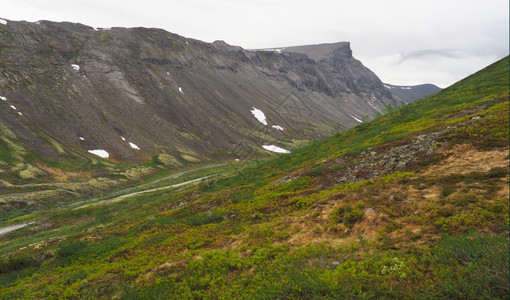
x=76 y=89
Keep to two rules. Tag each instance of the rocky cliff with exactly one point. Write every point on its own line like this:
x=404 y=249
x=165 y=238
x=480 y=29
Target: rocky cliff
x=138 y=92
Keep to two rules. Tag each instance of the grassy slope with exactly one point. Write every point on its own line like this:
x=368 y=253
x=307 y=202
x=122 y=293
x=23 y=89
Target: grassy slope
x=338 y=217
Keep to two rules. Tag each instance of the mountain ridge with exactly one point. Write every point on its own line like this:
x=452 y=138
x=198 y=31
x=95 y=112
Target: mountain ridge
x=149 y=77
x=410 y=93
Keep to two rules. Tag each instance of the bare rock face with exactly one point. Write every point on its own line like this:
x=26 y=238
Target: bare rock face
x=138 y=92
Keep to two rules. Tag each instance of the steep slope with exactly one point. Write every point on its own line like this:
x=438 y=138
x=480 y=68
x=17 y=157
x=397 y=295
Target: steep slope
x=413 y=204
x=411 y=93
x=337 y=57
x=139 y=92
x=328 y=54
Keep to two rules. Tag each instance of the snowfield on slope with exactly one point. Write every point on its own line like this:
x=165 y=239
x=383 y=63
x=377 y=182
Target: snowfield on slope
x=101 y=153
x=257 y=113
x=274 y=148
x=358 y=120
x=134 y=146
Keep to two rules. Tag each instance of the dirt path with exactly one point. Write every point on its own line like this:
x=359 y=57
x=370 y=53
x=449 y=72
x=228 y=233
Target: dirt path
x=8 y=229
x=43 y=187
x=119 y=195
x=173 y=176
x=118 y=198
x=126 y=191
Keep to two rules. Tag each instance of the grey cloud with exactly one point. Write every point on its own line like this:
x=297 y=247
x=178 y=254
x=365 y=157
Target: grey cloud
x=420 y=54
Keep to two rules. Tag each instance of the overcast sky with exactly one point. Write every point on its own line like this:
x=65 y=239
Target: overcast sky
x=404 y=42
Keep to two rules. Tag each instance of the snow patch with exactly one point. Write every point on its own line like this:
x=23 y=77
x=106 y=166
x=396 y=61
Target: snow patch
x=81 y=138
x=277 y=127
x=180 y=90
x=358 y=120
x=405 y=87
x=167 y=73
x=3 y=22
x=134 y=146
x=75 y=67
x=187 y=43
x=123 y=138
x=101 y=153
x=3 y=98
x=257 y=113
x=19 y=113
x=13 y=107
x=277 y=50
x=274 y=148
x=387 y=86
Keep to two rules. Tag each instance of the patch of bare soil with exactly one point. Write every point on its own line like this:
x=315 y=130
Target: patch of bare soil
x=504 y=192
x=319 y=228
x=466 y=159
x=165 y=267
x=62 y=175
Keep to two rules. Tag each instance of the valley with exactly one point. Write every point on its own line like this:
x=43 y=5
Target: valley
x=411 y=204
x=86 y=110
x=128 y=94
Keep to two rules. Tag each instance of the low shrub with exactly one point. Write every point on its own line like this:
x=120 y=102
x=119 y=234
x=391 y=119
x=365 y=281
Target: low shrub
x=348 y=213
x=316 y=171
x=472 y=266
x=15 y=263
x=447 y=191
x=204 y=218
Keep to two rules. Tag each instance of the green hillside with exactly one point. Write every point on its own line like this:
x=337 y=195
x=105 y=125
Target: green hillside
x=413 y=204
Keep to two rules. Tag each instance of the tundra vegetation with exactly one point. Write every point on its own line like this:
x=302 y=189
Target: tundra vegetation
x=413 y=204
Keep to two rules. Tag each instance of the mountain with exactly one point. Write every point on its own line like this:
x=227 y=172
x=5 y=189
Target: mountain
x=133 y=93
x=411 y=93
x=337 y=59
x=413 y=204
